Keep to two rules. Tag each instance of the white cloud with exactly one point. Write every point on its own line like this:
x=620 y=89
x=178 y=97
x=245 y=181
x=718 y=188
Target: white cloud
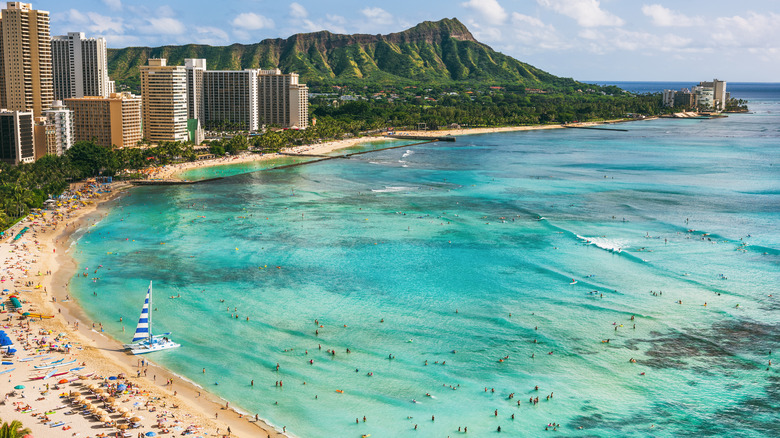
x=115 y=5
x=298 y=11
x=490 y=10
x=665 y=17
x=162 y=26
x=165 y=11
x=588 y=13
x=252 y=21
x=377 y=16
x=210 y=35
x=753 y=31
x=489 y=34
x=614 y=39
x=535 y=35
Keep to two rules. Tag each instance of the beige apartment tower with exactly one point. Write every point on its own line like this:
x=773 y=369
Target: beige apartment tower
x=113 y=121
x=282 y=100
x=164 y=97
x=25 y=64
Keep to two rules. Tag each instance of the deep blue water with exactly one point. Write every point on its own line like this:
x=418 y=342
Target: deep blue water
x=739 y=90
x=484 y=268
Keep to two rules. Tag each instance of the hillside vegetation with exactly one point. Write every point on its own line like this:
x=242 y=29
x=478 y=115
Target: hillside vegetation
x=433 y=52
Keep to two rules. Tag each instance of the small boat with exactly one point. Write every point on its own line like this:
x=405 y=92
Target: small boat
x=143 y=340
x=48 y=366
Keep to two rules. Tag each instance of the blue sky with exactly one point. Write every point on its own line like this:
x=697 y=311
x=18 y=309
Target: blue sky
x=689 y=40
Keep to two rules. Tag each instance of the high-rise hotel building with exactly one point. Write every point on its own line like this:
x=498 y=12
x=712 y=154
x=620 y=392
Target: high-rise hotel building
x=25 y=61
x=17 y=144
x=224 y=100
x=164 y=97
x=113 y=121
x=283 y=101
x=79 y=66
x=58 y=129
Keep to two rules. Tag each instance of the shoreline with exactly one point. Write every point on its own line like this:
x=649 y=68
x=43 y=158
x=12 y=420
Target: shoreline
x=104 y=354
x=174 y=171
x=99 y=352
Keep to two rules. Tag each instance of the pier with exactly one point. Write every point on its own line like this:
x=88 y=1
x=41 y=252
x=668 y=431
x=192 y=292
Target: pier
x=422 y=137
x=168 y=182
x=596 y=128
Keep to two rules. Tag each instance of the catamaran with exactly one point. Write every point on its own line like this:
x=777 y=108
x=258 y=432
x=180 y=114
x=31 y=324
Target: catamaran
x=144 y=341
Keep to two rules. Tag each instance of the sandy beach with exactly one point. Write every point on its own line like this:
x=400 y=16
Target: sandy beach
x=36 y=268
x=173 y=170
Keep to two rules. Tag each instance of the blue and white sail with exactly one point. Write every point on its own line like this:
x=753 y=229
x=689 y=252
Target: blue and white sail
x=142 y=330
x=143 y=339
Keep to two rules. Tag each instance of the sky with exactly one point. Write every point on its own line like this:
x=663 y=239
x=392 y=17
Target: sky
x=588 y=40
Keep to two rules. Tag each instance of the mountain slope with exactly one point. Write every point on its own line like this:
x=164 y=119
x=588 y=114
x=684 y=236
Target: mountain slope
x=439 y=51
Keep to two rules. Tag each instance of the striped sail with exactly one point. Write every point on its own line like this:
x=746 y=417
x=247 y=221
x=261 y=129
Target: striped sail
x=142 y=330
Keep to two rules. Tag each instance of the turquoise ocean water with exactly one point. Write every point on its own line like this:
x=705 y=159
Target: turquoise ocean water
x=504 y=261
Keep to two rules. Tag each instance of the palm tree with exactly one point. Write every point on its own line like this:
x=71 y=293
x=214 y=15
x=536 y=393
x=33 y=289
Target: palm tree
x=13 y=430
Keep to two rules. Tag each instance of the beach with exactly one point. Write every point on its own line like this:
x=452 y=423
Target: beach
x=37 y=268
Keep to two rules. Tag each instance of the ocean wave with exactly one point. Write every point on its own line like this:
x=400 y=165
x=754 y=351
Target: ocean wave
x=391 y=189
x=604 y=243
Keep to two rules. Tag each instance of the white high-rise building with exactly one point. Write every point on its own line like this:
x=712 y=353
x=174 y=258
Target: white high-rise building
x=195 y=69
x=60 y=118
x=80 y=66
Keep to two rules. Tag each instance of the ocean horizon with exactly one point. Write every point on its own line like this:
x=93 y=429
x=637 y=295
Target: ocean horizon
x=614 y=283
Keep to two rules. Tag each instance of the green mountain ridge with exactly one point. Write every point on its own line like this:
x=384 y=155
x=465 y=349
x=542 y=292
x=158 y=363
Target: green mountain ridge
x=442 y=51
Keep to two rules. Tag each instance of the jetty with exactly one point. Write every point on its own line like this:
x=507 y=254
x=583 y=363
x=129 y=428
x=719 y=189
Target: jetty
x=595 y=128
x=168 y=182
x=422 y=137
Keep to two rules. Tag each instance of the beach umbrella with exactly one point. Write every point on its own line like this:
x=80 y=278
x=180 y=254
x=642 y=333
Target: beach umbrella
x=121 y=387
x=112 y=378
x=75 y=394
x=127 y=415
x=122 y=427
x=136 y=419
x=110 y=400
x=105 y=419
x=152 y=433
x=19 y=387
x=63 y=381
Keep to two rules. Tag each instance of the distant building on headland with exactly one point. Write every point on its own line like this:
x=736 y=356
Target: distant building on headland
x=710 y=96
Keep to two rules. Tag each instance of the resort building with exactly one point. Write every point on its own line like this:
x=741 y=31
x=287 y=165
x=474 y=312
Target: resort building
x=195 y=69
x=55 y=135
x=283 y=101
x=230 y=100
x=164 y=97
x=705 y=96
x=25 y=64
x=17 y=141
x=79 y=66
x=113 y=121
